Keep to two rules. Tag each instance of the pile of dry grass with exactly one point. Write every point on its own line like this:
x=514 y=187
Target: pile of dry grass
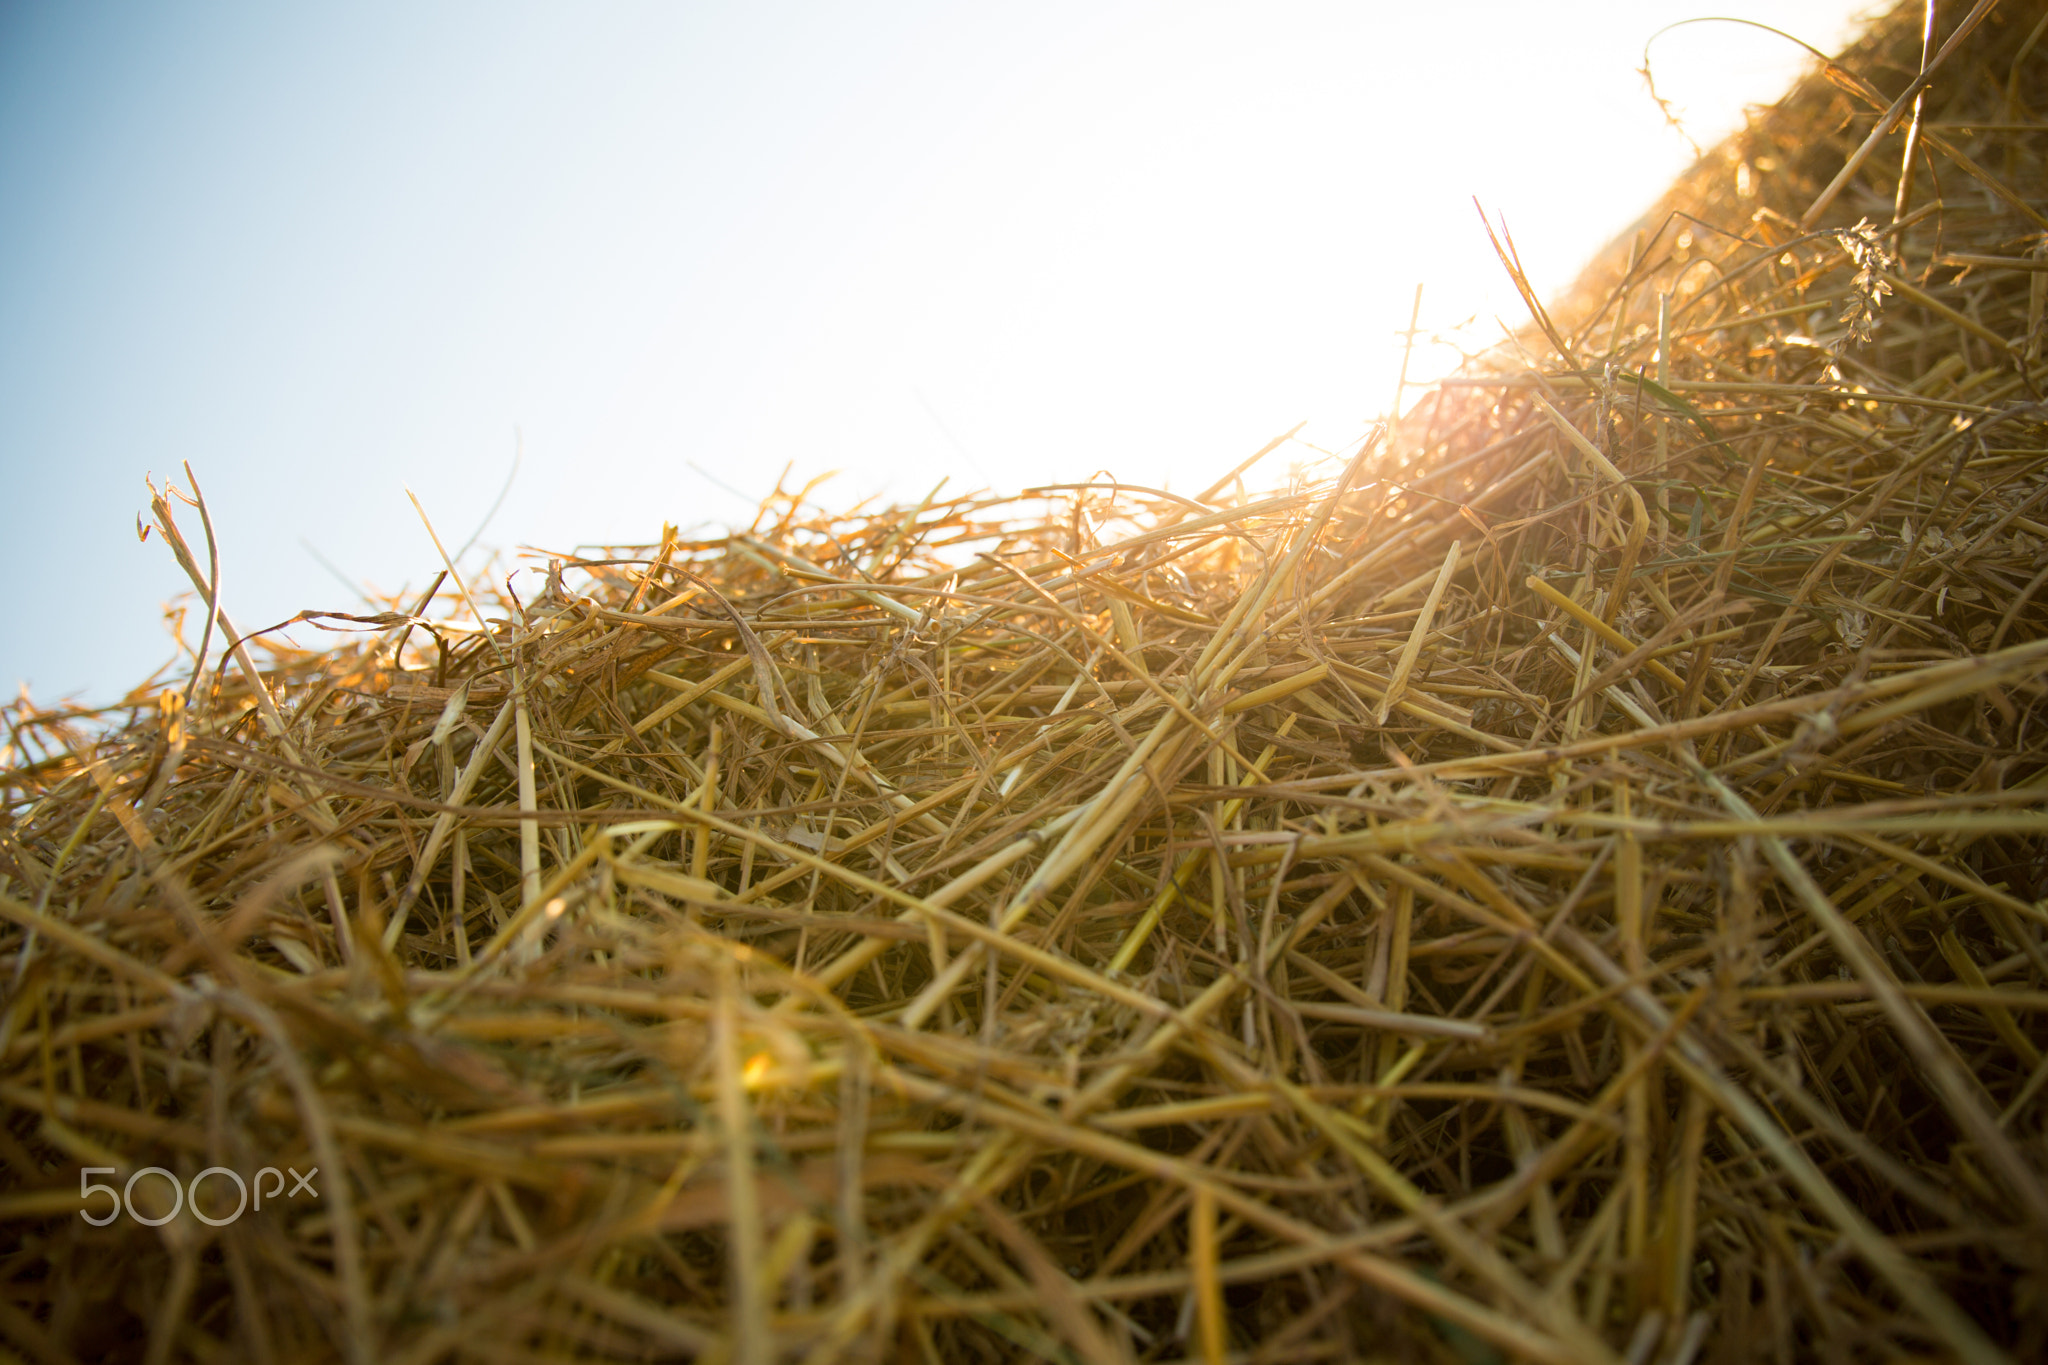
x=1567 y=889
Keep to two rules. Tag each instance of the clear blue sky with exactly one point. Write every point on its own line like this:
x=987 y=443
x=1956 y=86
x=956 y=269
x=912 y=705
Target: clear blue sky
x=326 y=252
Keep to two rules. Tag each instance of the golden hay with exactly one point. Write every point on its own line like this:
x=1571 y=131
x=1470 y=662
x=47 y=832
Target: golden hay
x=1568 y=888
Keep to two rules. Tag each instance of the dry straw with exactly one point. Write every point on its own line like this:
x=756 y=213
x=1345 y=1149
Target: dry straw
x=1567 y=889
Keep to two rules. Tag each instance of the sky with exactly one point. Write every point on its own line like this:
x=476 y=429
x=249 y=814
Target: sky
x=660 y=252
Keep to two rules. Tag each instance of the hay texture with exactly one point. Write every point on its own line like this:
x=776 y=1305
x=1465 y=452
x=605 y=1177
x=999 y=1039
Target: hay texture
x=1562 y=882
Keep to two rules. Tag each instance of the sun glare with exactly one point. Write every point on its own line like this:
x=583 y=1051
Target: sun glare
x=670 y=254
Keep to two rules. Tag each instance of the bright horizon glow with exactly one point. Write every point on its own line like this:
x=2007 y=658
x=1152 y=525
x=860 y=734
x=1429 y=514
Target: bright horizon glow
x=325 y=254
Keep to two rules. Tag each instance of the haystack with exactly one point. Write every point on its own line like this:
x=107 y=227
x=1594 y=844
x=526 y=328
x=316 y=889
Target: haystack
x=1565 y=886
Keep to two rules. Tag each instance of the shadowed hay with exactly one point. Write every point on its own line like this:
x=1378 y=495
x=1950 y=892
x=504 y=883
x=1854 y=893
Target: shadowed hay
x=1567 y=888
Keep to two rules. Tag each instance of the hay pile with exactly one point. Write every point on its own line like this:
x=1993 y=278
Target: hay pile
x=1567 y=887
